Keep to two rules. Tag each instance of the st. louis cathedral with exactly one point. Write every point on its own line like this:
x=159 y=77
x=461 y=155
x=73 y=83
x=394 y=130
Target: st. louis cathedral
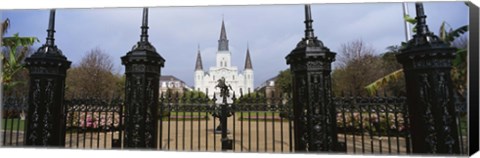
x=207 y=80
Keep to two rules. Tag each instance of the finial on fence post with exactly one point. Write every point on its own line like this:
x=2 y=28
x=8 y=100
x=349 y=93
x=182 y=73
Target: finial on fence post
x=308 y=23
x=422 y=28
x=51 y=29
x=144 y=35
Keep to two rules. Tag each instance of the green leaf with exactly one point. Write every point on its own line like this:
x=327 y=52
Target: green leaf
x=12 y=64
x=452 y=35
x=410 y=20
x=442 y=33
x=373 y=87
x=460 y=57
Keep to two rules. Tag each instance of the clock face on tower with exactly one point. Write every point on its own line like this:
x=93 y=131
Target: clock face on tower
x=223 y=72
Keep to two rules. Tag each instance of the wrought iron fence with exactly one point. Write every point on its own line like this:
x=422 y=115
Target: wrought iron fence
x=90 y=123
x=461 y=121
x=372 y=125
x=14 y=110
x=254 y=124
x=94 y=123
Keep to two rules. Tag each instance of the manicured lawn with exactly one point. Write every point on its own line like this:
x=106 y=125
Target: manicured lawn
x=189 y=114
x=17 y=123
x=260 y=113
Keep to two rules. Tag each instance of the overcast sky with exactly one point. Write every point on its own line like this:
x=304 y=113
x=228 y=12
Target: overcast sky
x=272 y=31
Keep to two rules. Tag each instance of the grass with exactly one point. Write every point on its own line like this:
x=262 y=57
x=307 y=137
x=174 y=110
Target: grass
x=262 y=116
x=260 y=113
x=203 y=115
x=15 y=122
x=189 y=114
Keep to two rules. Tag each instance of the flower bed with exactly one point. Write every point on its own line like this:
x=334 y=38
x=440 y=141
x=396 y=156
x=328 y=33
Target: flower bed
x=93 y=120
x=373 y=123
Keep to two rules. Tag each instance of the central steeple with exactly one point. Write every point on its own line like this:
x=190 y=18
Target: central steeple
x=199 y=65
x=248 y=61
x=223 y=41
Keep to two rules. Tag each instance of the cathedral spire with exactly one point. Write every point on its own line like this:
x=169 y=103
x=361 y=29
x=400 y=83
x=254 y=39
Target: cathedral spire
x=223 y=41
x=248 y=61
x=199 y=65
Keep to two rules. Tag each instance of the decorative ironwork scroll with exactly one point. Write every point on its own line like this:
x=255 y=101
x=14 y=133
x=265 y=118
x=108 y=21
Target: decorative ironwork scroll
x=142 y=65
x=47 y=69
x=427 y=63
x=314 y=111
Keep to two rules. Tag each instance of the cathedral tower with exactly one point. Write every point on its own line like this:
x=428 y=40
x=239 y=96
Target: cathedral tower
x=223 y=54
x=248 y=71
x=198 y=71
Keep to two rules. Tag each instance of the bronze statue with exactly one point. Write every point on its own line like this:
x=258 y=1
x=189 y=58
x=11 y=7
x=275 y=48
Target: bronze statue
x=224 y=88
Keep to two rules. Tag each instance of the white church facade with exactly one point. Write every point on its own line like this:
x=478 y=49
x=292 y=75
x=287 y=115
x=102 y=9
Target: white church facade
x=205 y=81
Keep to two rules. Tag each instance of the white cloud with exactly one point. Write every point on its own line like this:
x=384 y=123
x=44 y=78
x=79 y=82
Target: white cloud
x=271 y=30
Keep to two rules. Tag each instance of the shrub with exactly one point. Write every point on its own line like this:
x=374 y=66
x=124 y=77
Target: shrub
x=93 y=120
x=374 y=123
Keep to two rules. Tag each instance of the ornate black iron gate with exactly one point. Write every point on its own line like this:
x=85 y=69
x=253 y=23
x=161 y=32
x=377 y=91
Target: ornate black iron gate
x=249 y=122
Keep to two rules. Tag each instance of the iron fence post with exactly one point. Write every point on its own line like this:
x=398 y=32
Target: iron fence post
x=46 y=117
x=427 y=62
x=314 y=111
x=142 y=70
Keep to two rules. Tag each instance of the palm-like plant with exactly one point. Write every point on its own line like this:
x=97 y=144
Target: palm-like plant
x=459 y=63
x=17 y=48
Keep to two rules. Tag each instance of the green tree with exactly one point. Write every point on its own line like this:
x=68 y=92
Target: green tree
x=356 y=66
x=254 y=97
x=393 y=81
x=16 y=49
x=283 y=82
x=459 y=71
x=192 y=96
x=94 y=77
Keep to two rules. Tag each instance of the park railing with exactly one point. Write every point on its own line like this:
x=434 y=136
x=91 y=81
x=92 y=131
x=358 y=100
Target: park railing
x=256 y=123
x=14 y=111
x=90 y=123
x=373 y=125
x=94 y=123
